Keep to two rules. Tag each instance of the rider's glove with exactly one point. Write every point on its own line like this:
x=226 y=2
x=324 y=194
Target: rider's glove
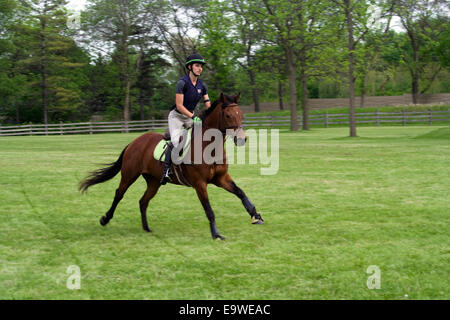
x=196 y=119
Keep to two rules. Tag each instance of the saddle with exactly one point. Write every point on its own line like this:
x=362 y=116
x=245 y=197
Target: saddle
x=160 y=150
x=166 y=135
x=160 y=154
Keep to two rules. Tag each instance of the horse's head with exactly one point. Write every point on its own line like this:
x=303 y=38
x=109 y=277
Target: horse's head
x=227 y=117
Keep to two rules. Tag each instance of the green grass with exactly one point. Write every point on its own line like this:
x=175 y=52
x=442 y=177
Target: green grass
x=336 y=206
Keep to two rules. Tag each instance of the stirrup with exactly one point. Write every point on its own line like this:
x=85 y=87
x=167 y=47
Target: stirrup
x=165 y=178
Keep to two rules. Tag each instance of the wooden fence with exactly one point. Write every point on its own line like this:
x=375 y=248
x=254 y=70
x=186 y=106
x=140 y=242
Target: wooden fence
x=82 y=127
x=368 y=118
x=322 y=120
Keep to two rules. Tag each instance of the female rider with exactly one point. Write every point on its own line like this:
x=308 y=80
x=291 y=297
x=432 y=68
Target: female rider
x=190 y=89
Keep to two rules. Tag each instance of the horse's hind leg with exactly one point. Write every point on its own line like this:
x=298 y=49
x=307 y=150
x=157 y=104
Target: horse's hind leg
x=125 y=183
x=152 y=188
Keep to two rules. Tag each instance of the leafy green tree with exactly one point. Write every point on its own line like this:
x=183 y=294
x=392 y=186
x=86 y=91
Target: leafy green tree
x=270 y=65
x=425 y=22
x=247 y=39
x=50 y=56
x=358 y=19
x=126 y=26
x=280 y=19
x=151 y=70
x=178 y=25
x=217 y=47
x=301 y=29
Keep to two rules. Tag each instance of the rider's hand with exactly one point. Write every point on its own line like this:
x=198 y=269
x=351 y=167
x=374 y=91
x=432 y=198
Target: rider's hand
x=196 y=119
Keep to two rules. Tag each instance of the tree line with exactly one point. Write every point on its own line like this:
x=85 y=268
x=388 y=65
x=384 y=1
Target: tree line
x=120 y=59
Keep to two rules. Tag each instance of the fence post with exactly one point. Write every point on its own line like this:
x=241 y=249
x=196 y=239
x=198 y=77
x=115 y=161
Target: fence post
x=326 y=118
x=430 y=121
x=377 y=118
x=61 y=130
x=404 y=117
x=90 y=128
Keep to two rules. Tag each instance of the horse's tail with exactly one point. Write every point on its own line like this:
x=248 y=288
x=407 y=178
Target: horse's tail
x=103 y=174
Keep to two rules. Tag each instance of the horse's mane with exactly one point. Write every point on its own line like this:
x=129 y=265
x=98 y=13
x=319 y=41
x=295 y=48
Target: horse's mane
x=210 y=110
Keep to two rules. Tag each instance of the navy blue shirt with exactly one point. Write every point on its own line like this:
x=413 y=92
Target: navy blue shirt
x=192 y=94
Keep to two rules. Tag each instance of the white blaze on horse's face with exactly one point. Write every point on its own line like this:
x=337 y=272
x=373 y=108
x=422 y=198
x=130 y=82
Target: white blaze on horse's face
x=233 y=118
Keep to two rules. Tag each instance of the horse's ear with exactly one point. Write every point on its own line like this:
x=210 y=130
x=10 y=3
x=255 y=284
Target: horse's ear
x=222 y=97
x=237 y=97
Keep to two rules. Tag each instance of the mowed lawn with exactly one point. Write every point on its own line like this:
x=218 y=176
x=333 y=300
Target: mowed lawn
x=336 y=206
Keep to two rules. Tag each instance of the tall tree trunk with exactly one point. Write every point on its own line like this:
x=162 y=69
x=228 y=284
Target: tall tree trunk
x=140 y=71
x=17 y=113
x=305 y=107
x=126 y=63
x=292 y=87
x=363 y=90
x=126 y=108
x=127 y=79
x=43 y=67
x=141 y=103
x=414 y=67
x=383 y=85
x=280 y=94
x=254 y=88
x=415 y=86
x=303 y=74
x=351 y=78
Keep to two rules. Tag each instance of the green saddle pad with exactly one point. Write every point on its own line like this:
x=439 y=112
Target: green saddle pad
x=160 y=150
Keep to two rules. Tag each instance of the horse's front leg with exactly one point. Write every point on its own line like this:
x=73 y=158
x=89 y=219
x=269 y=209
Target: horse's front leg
x=202 y=194
x=228 y=184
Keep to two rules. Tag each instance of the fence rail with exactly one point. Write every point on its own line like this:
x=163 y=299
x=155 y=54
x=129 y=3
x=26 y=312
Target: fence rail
x=323 y=120
x=375 y=118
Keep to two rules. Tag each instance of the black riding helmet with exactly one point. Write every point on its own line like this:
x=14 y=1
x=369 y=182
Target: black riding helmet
x=194 y=58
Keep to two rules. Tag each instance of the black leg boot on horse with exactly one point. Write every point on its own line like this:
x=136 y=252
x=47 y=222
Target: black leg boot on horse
x=167 y=163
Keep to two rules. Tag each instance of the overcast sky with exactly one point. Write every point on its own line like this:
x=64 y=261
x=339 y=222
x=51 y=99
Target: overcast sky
x=76 y=4
x=80 y=4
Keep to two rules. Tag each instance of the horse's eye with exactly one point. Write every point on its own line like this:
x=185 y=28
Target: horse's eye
x=228 y=117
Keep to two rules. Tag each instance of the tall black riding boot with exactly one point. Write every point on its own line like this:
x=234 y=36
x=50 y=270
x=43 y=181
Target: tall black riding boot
x=167 y=162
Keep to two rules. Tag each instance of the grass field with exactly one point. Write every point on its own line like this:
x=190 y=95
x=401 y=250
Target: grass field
x=336 y=206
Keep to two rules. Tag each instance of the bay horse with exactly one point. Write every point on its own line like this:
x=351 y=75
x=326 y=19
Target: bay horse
x=137 y=159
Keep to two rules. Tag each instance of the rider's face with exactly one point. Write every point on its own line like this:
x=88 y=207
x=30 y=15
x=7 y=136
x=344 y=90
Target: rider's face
x=197 y=69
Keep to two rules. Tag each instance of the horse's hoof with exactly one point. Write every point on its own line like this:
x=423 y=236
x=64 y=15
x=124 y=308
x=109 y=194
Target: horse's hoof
x=103 y=221
x=218 y=236
x=257 y=220
x=147 y=230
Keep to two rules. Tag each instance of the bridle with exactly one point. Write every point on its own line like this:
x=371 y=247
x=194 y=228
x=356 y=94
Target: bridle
x=222 y=112
x=224 y=106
